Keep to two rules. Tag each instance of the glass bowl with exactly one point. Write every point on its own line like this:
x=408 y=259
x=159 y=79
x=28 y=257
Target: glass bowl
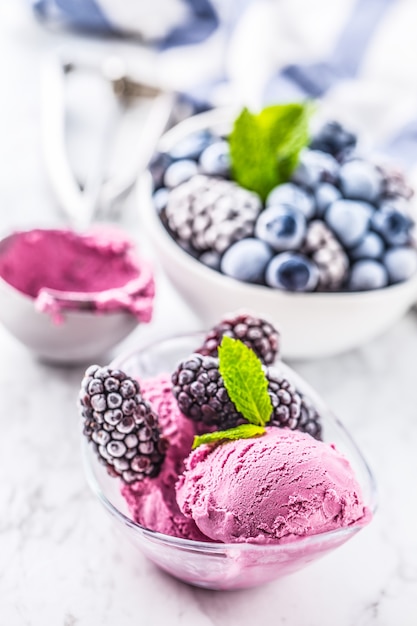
x=219 y=565
x=314 y=325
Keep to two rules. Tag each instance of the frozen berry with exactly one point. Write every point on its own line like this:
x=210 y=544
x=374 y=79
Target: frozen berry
x=211 y=259
x=295 y=196
x=200 y=392
x=315 y=167
x=160 y=198
x=332 y=137
x=120 y=424
x=324 y=249
x=281 y=226
x=179 y=172
x=367 y=274
x=401 y=263
x=360 y=180
x=202 y=396
x=393 y=225
x=210 y=213
x=286 y=401
x=394 y=184
x=215 y=159
x=349 y=220
x=157 y=168
x=309 y=421
x=246 y=260
x=192 y=146
x=371 y=247
x=256 y=333
x=325 y=194
x=292 y=272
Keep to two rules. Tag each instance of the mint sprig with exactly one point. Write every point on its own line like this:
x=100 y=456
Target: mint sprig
x=247 y=386
x=245 y=380
x=244 y=431
x=265 y=147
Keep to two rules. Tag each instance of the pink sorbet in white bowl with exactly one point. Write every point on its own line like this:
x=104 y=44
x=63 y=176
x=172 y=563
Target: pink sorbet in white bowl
x=71 y=297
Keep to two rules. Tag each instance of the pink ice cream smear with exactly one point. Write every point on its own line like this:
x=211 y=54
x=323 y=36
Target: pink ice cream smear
x=152 y=502
x=62 y=270
x=276 y=488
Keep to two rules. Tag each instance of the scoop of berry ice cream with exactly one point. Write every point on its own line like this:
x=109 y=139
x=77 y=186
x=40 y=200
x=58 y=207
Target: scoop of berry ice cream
x=152 y=502
x=270 y=489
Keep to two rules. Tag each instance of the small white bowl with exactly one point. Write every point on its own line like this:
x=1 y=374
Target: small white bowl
x=84 y=334
x=312 y=324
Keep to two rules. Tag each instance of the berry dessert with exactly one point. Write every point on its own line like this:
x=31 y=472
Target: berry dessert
x=275 y=205
x=223 y=449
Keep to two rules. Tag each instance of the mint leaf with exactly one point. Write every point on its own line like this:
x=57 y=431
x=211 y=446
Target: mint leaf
x=265 y=147
x=245 y=431
x=245 y=380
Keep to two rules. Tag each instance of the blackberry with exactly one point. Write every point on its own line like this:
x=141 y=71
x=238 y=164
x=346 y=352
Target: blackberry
x=324 y=249
x=120 y=424
x=202 y=396
x=254 y=332
x=309 y=421
x=333 y=138
x=286 y=401
x=394 y=183
x=211 y=213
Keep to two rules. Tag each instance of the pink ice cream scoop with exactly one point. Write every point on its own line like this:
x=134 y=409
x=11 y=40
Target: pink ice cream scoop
x=270 y=489
x=152 y=502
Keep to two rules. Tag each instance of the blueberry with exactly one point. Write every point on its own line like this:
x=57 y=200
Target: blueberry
x=292 y=272
x=157 y=167
x=367 y=274
x=281 y=226
x=325 y=194
x=211 y=259
x=360 y=180
x=315 y=167
x=333 y=138
x=215 y=160
x=246 y=260
x=160 y=198
x=393 y=225
x=191 y=146
x=401 y=263
x=179 y=172
x=295 y=196
x=349 y=220
x=371 y=247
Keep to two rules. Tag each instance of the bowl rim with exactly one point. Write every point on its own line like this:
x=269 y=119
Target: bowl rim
x=88 y=457
x=203 y=121
x=144 y=277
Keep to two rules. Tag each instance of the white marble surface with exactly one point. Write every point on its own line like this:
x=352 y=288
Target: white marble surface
x=60 y=563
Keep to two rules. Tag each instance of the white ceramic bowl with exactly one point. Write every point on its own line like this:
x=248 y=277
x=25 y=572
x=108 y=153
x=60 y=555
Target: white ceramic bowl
x=217 y=565
x=312 y=324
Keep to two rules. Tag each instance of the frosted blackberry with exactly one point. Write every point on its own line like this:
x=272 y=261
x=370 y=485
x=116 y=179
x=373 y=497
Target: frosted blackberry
x=201 y=395
x=286 y=401
x=120 y=424
x=256 y=333
x=211 y=213
x=309 y=420
x=394 y=183
x=328 y=254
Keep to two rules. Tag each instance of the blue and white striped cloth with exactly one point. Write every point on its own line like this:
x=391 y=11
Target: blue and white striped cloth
x=358 y=56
